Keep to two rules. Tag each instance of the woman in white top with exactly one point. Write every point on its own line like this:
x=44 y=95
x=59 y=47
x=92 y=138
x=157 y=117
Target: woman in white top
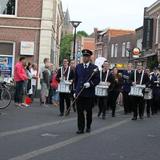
x=33 y=80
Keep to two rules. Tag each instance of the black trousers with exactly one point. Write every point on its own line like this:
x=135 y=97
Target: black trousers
x=19 y=92
x=112 y=97
x=84 y=104
x=102 y=104
x=127 y=102
x=156 y=104
x=149 y=106
x=64 y=97
x=138 y=106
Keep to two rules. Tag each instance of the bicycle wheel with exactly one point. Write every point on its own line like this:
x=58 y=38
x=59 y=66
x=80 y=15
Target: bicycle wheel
x=5 y=98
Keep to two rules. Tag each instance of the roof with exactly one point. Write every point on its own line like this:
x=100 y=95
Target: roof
x=153 y=5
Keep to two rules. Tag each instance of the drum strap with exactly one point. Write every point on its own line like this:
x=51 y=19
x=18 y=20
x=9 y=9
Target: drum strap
x=69 y=69
x=68 y=73
x=101 y=75
x=107 y=76
x=135 y=77
x=142 y=77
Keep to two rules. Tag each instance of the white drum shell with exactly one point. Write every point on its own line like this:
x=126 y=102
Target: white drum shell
x=137 y=90
x=148 y=94
x=64 y=87
x=101 y=91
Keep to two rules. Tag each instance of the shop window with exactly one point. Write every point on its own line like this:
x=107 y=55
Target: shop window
x=7 y=7
x=6 y=60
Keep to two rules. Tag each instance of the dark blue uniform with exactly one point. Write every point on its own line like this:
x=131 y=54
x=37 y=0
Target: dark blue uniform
x=156 y=92
x=103 y=101
x=85 y=101
x=127 y=100
x=139 y=104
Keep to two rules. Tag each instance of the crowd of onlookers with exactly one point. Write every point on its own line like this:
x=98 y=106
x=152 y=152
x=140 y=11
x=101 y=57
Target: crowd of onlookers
x=26 y=80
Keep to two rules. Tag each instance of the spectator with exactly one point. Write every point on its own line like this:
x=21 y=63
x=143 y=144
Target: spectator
x=20 y=77
x=34 y=80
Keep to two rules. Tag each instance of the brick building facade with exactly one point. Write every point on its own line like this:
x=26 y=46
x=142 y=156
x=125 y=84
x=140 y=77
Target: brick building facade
x=113 y=44
x=29 y=28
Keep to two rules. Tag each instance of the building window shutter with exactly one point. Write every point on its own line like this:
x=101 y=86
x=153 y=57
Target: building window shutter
x=116 y=50
x=123 y=49
x=112 y=50
x=128 y=46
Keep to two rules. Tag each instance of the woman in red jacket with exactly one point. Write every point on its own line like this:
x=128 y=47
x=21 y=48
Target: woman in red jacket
x=20 y=77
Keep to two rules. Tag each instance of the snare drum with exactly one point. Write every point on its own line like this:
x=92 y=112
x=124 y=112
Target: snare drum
x=148 y=94
x=101 y=90
x=137 y=90
x=64 y=87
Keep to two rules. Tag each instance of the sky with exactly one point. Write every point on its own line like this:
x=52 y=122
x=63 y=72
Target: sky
x=123 y=14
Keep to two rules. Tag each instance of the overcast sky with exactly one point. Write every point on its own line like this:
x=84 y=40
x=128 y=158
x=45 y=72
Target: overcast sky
x=127 y=14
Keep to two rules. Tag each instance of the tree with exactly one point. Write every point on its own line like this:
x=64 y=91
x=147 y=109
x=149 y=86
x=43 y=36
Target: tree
x=66 y=44
x=82 y=34
x=66 y=47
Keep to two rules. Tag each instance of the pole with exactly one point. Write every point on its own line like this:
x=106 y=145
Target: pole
x=74 y=43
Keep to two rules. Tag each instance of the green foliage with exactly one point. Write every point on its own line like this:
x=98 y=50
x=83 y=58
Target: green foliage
x=82 y=34
x=66 y=47
x=66 y=44
x=152 y=62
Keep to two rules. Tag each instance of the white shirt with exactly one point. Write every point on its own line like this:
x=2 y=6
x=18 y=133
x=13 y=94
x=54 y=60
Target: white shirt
x=34 y=73
x=86 y=65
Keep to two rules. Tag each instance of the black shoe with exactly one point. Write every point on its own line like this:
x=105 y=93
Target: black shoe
x=148 y=115
x=99 y=114
x=80 y=132
x=134 y=118
x=141 y=117
x=113 y=115
x=61 y=114
x=103 y=117
x=88 y=130
x=67 y=113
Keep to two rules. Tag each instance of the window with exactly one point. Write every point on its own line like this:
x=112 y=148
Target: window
x=128 y=46
x=158 y=30
x=7 y=7
x=112 y=50
x=116 y=50
x=123 y=49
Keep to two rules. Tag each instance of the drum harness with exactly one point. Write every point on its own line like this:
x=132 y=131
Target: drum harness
x=135 y=78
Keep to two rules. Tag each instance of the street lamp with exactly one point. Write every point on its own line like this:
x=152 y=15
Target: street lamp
x=75 y=24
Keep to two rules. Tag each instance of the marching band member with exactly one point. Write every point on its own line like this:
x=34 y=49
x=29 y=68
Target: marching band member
x=105 y=77
x=64 y=73
x=127 y=100
x=114 y=89
x=73 y=67
x=86 y=78
x=148 y=95
x=138 y=77
x=155 y=81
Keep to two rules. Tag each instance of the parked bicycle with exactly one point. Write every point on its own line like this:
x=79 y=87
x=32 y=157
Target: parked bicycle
x=5 y=95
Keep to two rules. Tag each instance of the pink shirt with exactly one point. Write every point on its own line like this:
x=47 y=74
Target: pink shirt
x=19 y=72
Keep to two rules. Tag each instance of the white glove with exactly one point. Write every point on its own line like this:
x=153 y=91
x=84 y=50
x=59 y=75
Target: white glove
x=74 y=95
x=87 y=85
x=133 y=83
